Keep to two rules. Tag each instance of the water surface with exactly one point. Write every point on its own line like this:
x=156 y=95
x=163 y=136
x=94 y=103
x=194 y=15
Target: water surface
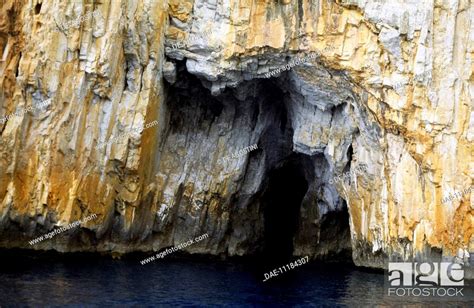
x=182 y=282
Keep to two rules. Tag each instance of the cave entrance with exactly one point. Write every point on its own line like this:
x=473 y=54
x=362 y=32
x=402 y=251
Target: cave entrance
x=284 y=205
x=282 y=199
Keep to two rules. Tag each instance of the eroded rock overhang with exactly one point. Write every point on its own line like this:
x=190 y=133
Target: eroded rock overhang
x=396 y=82
x=328 y=123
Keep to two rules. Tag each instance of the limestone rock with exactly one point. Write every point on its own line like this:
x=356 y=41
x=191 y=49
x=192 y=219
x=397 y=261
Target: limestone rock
x=392 y=88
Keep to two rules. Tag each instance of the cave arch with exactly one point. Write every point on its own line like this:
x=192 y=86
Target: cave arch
x=279 y=199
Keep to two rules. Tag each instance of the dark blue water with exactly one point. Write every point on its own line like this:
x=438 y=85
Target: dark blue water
x=87 y=281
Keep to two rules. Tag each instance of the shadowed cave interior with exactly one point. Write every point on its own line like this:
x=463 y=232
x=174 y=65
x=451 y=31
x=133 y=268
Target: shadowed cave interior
x=288 y=222
x=282 y=200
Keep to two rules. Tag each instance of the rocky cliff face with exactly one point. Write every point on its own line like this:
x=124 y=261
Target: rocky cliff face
x=357 y=144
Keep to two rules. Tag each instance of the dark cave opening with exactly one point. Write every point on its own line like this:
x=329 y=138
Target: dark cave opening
x=292 y=211
x=286 y=189
x=335 y=236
